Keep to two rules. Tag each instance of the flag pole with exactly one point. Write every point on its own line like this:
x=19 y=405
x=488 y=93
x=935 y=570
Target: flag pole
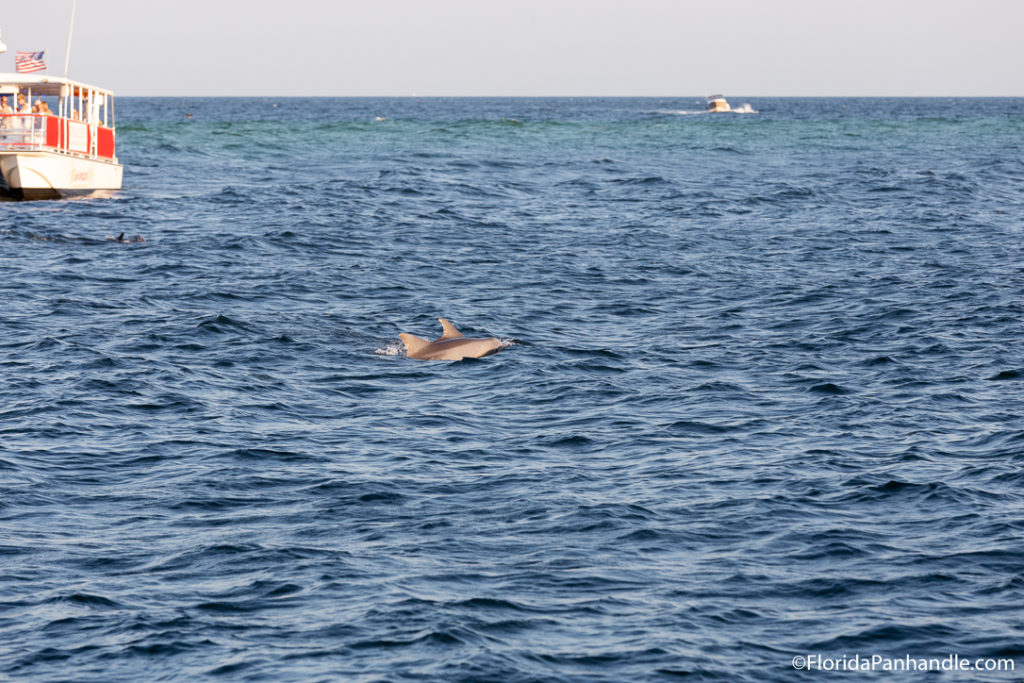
x=71 y=28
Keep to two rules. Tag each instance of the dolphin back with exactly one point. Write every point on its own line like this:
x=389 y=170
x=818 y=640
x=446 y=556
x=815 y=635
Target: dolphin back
x=451 y=345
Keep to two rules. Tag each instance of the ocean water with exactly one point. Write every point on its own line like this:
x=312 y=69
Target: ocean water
x=762 y=399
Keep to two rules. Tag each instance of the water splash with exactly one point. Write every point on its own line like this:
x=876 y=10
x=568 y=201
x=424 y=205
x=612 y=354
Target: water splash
x=391 y=349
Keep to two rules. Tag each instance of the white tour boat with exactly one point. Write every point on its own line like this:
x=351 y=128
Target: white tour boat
x=717 y=103
x=65 y=149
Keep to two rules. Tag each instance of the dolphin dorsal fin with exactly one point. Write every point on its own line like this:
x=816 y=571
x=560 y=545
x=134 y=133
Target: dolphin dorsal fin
x=449 y=330
x=413 y=344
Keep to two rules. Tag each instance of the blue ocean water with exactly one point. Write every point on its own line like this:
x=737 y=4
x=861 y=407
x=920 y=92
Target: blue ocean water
x=762 y=395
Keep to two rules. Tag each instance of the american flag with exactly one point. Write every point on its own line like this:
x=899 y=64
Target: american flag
x=27 y=62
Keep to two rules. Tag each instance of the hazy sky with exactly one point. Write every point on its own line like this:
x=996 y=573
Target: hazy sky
x=529 y=47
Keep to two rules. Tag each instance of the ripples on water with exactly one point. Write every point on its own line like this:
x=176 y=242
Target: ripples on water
x=763 y=396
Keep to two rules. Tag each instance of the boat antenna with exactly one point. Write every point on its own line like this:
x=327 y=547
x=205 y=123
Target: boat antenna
x=67 y=53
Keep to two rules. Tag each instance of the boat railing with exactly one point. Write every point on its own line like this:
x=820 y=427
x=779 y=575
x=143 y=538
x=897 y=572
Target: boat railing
x=45 y=132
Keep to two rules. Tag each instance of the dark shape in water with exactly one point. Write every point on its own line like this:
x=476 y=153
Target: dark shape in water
x=126 y=240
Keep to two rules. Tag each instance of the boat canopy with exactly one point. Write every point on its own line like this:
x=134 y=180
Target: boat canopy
x=95 y=104
x=49 y=86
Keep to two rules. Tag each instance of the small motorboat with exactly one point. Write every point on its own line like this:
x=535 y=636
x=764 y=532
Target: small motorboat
x=717 y=104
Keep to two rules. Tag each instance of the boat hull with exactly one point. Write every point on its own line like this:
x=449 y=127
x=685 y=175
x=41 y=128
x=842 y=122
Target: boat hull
x=46 y=175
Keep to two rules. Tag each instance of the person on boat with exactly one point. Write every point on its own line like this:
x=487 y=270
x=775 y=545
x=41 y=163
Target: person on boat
x=5 y=110
x=40 y=107
x=24 y=108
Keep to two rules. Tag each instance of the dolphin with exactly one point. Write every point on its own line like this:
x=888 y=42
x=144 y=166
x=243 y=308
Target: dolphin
x=451 y=345
x=121 y=238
